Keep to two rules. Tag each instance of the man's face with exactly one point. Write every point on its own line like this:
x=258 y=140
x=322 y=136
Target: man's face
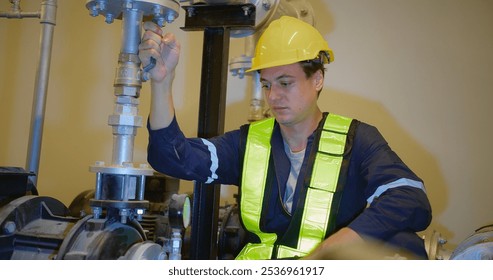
x=291 y=96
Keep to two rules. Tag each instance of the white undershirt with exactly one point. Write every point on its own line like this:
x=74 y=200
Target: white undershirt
x=296 y=159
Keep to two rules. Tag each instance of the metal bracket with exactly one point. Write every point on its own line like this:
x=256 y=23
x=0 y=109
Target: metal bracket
x=233 y=17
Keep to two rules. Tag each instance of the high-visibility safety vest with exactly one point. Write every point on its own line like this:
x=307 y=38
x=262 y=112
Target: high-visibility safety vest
x=322 y=190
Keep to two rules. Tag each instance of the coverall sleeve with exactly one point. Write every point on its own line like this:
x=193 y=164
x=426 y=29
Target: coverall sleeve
x=210 y=161
x=396 y=197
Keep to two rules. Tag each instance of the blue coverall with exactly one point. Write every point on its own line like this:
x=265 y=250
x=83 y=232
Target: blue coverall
x=382 y=199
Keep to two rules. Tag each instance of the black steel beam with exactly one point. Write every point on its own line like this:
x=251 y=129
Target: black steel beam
x=216 y=21
x=200 y=17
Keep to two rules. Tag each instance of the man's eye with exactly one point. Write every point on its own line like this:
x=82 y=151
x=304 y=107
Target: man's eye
x=285 y=84
x=266 y=86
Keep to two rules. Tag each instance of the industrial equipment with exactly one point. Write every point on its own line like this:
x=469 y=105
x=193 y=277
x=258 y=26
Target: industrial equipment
x=134 y=212
x=122 y=223
x=126 y=216
x=477 y=246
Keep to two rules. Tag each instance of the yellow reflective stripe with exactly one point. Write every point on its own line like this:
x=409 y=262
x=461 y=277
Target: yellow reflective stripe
x=325 y=172
x=323 y=182
x=337 y=123
x=256 y=251
x=332 y=143
x=284 y=252
x=315 y=219
x=254 y=175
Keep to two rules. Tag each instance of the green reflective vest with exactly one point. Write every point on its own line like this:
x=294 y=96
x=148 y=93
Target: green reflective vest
x=317 y=216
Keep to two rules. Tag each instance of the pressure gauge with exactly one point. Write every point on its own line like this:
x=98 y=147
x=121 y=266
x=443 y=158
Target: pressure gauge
x=179 y=213
x=187 y=212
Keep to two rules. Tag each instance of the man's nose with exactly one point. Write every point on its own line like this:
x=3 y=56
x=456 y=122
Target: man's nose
x=273 y=93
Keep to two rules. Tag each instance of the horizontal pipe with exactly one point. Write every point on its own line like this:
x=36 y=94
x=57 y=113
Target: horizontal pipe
x=20 y=15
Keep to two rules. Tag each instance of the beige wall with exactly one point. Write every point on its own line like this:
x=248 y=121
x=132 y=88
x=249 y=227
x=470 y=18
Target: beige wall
x=421 y=71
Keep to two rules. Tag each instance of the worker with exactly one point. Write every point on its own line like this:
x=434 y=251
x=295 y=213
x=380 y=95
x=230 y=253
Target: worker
x=310 y=182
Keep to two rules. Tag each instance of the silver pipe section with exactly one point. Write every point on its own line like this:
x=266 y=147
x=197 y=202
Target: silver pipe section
x=48 y=21
x=256 y=111
x=19 y=15
x=131 y=31
x=123 y=146
x=121 y=184
x=125 y=119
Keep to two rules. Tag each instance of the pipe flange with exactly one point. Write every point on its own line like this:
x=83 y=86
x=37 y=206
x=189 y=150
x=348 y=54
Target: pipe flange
x=161 y=10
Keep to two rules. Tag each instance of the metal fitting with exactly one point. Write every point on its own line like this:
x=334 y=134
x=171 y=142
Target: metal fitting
x=9 y=227
x=124 y=214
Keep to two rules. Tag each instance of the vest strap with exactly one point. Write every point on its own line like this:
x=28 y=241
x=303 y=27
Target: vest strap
x=254 y=176
x=285 y=252
x=323 y=183
x=256 y=251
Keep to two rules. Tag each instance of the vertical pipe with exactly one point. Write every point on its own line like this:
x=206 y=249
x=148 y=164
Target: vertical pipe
x=127 y=78
x=256 y=95
x=48 y=21
x=123 y=147
x=131 y=32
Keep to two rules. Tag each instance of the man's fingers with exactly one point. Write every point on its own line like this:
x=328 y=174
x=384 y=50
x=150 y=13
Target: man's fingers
x=169 y=40
x=151 y=26
x=151 y=36
x=146 y=54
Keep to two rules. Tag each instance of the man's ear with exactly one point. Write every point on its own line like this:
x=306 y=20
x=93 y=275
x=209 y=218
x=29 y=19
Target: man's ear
x=318 y=78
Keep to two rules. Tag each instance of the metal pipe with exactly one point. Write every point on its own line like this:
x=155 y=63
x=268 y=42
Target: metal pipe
x=48 y=20
x=257 y=104
x=127 y=86
x=123 y=148
x=19 y=15
x=131 y=33
x=257 y=99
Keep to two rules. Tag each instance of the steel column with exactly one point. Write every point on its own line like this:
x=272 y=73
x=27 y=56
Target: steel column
x=216 y=21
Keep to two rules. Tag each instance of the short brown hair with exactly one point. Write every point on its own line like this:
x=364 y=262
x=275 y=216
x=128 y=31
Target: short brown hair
x=311 y=67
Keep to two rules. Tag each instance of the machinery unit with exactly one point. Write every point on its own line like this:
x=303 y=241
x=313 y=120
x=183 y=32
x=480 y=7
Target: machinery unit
x=40 y=227
x=122 y=223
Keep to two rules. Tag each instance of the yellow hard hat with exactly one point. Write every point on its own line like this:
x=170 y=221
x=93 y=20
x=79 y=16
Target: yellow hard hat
x=289 y=40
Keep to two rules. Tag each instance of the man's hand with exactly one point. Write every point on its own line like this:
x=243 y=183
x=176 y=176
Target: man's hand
x=346 y=244
x=341 y=243
x=164 y=48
